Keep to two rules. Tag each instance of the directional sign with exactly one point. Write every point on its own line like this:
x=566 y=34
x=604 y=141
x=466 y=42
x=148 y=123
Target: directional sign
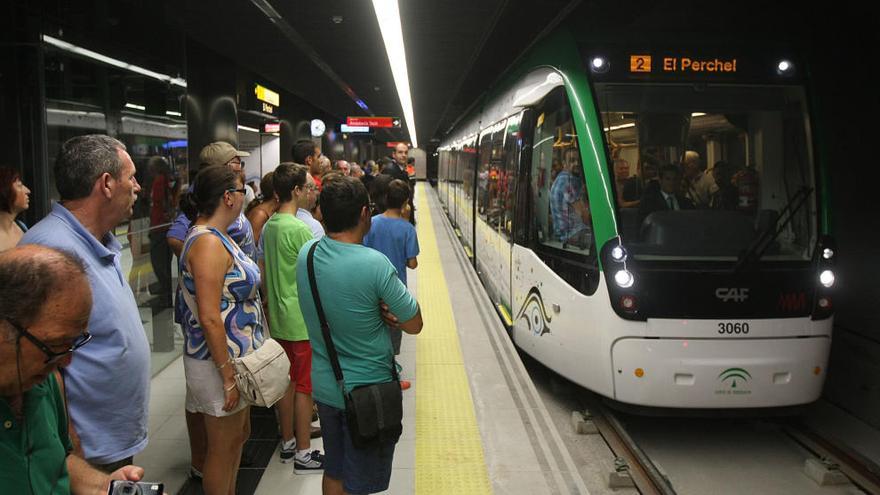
x=382 y=122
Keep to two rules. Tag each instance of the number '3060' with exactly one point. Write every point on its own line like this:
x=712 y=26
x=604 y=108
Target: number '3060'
x=730 y=328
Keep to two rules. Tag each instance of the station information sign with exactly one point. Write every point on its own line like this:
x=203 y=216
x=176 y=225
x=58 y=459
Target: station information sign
x=380 y=122
x=354 y=129
x=267 y=101
x=272 y=127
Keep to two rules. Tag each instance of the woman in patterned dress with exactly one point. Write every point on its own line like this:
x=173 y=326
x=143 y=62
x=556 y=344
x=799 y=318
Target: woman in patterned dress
x=222 y=320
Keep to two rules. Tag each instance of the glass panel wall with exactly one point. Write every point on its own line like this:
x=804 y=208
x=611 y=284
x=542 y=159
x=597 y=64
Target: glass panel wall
x=87 y=96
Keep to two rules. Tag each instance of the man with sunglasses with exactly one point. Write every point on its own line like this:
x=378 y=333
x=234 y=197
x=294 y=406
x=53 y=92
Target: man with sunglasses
x=108 y=385
x=45 y=300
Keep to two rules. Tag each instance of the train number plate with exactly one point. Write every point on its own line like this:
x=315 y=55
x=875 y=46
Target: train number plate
x=733 y=328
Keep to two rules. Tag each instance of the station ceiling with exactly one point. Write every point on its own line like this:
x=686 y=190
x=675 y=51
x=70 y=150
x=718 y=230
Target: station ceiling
x=455 y=49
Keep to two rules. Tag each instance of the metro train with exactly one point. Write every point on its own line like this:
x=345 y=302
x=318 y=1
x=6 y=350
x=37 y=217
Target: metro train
x=552 y=181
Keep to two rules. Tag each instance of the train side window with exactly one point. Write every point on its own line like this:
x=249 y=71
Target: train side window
x=507 y=175
x=561 y=223
x=485 y=165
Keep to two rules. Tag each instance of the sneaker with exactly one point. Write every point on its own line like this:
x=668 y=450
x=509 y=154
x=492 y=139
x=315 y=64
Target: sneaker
x=312 y=464
x=288 y=451
x=405 y=384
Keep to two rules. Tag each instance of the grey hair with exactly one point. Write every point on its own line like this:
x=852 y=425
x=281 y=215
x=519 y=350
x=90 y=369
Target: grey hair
x=82 y=160
x=29 y=275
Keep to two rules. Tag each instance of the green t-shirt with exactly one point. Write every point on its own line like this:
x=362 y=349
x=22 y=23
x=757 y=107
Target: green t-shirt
x=351 y=280
x=44 y=434
x=283 y=237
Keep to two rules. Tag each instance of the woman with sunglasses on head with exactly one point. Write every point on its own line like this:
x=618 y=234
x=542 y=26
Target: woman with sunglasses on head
x=222 y=320
x=14 y=199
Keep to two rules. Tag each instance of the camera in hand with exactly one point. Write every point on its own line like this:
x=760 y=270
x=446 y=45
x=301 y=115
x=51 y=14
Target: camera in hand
x=118 y=487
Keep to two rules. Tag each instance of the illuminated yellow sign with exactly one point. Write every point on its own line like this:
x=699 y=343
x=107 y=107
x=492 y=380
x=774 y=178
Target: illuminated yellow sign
x=640 y=63
x=267 y=95
x=693 y=65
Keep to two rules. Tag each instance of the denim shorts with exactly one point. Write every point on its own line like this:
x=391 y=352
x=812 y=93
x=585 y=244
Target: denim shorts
x=362 y=471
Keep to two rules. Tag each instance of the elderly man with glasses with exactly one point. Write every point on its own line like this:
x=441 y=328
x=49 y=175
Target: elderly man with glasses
x=45 y=300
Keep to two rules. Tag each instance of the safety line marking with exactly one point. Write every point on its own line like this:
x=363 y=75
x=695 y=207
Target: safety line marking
x=449 y=450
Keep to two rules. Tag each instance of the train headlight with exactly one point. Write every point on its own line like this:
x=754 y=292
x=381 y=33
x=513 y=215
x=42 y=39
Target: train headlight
x=827 y=253
x=784 y=67
x=624 y=279
x=618 y=254
x=599 y=65
x=826 y=278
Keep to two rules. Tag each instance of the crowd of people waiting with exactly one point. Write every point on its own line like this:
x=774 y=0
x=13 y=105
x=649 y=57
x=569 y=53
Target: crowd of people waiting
x=73 y=423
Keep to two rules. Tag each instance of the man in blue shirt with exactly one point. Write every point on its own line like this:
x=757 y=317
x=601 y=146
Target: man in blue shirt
x=108 y=385
x=568 y=203
x=353 y=280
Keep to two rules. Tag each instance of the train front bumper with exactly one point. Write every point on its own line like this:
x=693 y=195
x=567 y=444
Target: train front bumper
x=719 y=372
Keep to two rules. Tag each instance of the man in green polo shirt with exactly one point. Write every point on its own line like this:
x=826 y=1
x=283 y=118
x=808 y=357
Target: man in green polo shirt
x=45 y=301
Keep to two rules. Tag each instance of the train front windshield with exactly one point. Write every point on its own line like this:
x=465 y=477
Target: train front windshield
x=702 y=171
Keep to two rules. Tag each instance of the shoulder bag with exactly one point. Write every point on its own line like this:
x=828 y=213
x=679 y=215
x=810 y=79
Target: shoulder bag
x=262 y=377
x=374 y=412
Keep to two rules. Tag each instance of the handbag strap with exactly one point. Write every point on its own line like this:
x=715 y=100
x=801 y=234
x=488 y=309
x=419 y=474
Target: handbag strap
x=325 y=327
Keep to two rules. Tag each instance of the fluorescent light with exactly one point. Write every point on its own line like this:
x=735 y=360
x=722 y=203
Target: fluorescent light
x=246 y=128
x=68 y=47
x=135 y=107
x=697 y=114
x=388 y=16
x=173 y=114
x=618 y=127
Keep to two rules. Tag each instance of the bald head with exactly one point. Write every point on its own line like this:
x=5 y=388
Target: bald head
x=45 y=303
x=31 y=275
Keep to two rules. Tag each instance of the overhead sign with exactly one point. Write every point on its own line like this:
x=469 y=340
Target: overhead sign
x=267 y=100
x=265 y=94
x=393 y=144
x=353 y=129
x=381 y=122
x=272 y=127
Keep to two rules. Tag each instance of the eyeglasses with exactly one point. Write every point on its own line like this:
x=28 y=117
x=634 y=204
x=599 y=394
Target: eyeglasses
x=243 y=190
x=52 y=356
x=236 y=162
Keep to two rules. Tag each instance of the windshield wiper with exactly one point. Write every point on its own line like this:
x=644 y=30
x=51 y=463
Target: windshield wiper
x=760 y=245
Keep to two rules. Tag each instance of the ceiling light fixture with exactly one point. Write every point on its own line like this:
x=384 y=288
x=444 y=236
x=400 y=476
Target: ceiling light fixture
x=246 y=128
x=388 y=16
x=135 y=107
x=68 y=47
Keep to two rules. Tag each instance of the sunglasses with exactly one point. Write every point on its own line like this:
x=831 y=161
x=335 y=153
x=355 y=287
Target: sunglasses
x=52 y=356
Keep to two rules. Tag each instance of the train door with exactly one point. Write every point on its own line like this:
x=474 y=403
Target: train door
x=492 y=249
x=465 y=197
x=554 y=264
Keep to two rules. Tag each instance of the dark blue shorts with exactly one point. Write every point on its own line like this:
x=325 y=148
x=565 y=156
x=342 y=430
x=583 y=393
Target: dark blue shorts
x=362 y=471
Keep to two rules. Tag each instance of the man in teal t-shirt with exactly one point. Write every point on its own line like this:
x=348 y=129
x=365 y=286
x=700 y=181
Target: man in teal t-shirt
x=352 y=281
x=283 y=237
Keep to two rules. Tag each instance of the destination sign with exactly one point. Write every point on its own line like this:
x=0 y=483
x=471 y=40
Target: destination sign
x=704 y=64
x=380 y=122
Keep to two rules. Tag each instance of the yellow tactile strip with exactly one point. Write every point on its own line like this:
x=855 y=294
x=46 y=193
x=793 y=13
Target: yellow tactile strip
x=449 y=452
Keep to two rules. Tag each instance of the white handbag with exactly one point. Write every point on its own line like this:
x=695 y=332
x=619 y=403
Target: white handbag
x=262 y=377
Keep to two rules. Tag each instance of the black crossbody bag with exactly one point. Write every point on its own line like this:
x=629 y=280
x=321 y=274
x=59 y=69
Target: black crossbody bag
x=374 y=413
